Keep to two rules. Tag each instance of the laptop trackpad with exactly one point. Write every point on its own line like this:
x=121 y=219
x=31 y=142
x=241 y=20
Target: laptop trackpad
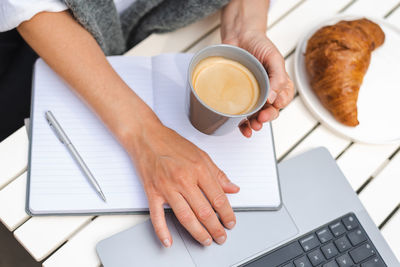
x=254 y=232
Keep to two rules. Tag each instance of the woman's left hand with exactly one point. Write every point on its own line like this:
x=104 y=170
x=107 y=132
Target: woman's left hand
x=281 y=87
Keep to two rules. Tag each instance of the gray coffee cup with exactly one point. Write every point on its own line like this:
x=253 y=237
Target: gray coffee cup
x=208 y=120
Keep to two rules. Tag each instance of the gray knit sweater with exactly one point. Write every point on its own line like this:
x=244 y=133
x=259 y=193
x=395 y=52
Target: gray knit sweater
x=118 y=33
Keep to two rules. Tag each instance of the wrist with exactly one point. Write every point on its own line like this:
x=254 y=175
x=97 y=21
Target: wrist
x=136 y=126
x=243 y=37
x=241 y=17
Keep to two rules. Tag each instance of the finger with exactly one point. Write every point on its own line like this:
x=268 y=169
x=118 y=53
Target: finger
x=255 y=124
x=268 y=114
x=157 y=217
x=223 y=180
x=279 y=79
x=227 y=185
x=218 y=199
x=187 y=218
x=271 y=96
x=245 y=129
x=205 y=214
x=285 y=95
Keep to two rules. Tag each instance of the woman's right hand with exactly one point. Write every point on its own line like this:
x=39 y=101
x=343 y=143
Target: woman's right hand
x=172 y=169
x=176 y=172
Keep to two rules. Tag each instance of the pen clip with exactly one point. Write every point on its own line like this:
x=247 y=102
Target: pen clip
x=55 y=131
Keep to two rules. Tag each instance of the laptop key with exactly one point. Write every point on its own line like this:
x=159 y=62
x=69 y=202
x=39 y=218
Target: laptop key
x=316 y=257
x=343 y=244
x=302 y=262
x=329 y=250
x=331 y=264
x=324 y=235
x=362 y=252
x=337 y=228
x=356 y=237
x=344 y=261
x=309 y=242
x=374 y=262
x=331 y=242
x=350 y=222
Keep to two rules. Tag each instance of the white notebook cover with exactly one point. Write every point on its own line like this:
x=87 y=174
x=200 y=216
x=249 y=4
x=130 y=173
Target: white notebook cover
x=56 y=184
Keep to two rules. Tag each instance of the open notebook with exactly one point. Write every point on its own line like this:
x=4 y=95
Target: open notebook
x=56 y=184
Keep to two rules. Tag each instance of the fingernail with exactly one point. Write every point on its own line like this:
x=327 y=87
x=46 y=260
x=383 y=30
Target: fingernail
x=207 y=242
x=166 y=243
x=230 y=225
x=220 y=240
x=272 y=96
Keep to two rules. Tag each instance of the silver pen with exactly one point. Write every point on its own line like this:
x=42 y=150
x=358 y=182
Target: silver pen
x=72 y=150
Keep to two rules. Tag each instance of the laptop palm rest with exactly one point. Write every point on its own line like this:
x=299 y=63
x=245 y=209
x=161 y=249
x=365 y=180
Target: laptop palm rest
x=254 y=233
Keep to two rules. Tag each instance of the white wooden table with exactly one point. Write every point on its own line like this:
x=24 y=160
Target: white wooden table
x=372 y=170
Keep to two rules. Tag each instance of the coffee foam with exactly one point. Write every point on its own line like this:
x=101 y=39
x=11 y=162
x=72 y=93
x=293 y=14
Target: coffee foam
x=225 y=85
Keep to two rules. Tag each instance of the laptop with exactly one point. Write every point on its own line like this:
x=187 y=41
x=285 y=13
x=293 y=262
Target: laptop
x=321 y=223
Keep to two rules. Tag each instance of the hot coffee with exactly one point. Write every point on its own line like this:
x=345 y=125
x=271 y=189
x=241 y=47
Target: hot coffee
x=225 y=85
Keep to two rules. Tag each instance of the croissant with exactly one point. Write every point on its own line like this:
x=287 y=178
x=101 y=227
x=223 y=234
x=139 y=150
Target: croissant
x=337 y=58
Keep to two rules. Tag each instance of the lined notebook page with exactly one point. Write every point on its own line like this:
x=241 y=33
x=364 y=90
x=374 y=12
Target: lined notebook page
x=56 y=183
x=58 y=186
x=250 y=163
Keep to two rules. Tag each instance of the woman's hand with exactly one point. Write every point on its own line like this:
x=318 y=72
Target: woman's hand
x=175 y=172
x=281 y=87
x=244 y=24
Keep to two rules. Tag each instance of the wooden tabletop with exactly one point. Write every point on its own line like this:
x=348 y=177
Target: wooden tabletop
x=372 y=170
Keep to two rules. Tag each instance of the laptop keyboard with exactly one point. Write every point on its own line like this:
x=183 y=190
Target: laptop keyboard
x=340 y=243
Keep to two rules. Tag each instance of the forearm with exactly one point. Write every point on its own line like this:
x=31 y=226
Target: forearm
x=74 y=54
x=241 y=16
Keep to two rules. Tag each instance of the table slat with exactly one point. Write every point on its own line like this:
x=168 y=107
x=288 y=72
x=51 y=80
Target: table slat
x=381 y=196
x=12 y=211
x=371 y=7
x=42 y=235
x=322 y=136
x=394 y=18
x=361 y=161
x=288 y=31
x=391 y=232
x=280 y=10
x=293 y=124
x=13 y=156
x=80 y=249
x=175 y=41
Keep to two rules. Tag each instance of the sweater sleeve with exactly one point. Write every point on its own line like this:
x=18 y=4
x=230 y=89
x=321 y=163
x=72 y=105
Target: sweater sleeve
x=14 y=12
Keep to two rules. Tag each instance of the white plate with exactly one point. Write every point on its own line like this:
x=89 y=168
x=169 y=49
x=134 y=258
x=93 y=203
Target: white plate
x=379 y=97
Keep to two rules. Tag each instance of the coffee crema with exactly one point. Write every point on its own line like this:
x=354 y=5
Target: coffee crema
x=225 y=85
